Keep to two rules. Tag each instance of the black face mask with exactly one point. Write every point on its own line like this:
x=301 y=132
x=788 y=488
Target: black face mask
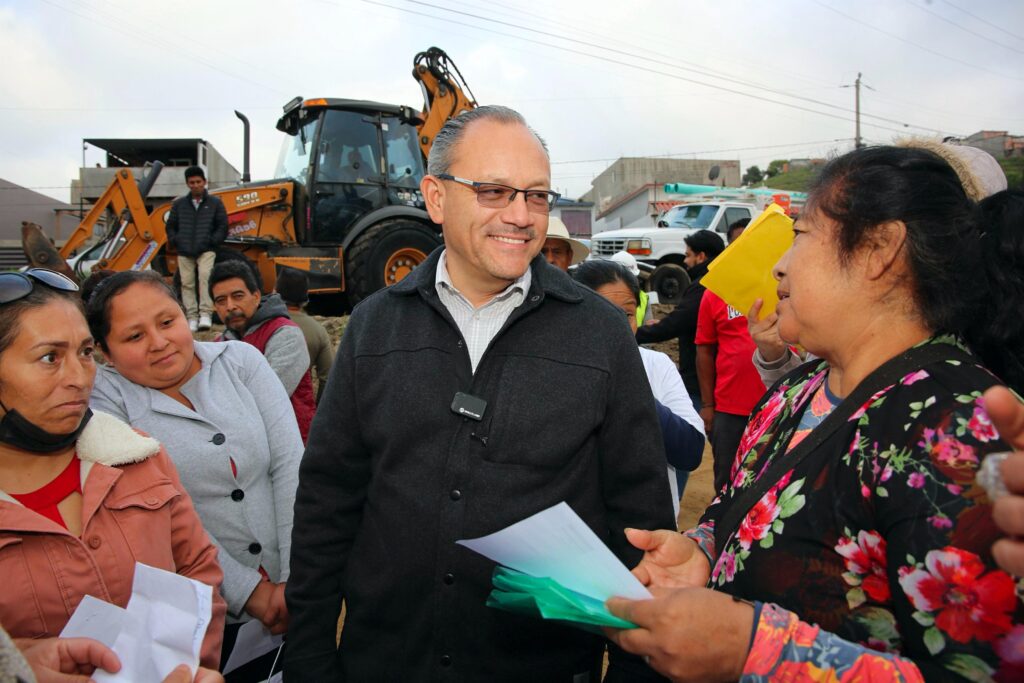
x=16 y=431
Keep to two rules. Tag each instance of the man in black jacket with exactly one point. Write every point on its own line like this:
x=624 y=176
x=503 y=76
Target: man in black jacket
x=556 y=407
x=701 y=248
x=196 y=226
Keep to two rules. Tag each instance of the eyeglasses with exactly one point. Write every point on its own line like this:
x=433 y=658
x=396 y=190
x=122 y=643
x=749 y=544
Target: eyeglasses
x=14 y=286
x=498 y=196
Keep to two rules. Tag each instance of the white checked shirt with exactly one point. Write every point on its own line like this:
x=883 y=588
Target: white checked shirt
x=479 y=325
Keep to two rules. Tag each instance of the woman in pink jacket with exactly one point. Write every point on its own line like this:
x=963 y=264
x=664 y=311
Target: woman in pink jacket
x=83 y=497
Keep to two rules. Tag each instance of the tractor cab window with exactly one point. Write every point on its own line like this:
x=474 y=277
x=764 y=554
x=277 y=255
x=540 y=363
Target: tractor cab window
x=348 y=150
x=405 y=160
x=293 y=161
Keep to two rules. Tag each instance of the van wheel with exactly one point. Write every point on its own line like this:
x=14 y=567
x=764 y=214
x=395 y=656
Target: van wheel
x=669 y=281
x=386 y=254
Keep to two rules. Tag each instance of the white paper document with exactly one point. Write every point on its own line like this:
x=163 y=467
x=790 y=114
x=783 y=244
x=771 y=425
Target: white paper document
x=162 y=627
x=557 y=544
x=254 y=640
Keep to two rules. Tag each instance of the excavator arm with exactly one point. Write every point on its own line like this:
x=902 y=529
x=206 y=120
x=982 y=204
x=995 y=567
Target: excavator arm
x=445 y=93
x=132 y=240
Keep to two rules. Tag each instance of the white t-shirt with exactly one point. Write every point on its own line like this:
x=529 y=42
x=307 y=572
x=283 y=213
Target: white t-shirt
x=670 y=391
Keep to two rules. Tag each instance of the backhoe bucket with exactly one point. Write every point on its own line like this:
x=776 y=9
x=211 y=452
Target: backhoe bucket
x=41 y=253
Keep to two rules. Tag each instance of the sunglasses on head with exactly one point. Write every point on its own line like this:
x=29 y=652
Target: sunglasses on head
x=14 y=286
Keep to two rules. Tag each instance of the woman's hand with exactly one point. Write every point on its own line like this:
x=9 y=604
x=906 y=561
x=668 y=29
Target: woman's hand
x=277 y=613
x=670 y=559
x=687 y=634
x=1007 y=415
x=707 y=414
x=765 y=333
x=266 y=603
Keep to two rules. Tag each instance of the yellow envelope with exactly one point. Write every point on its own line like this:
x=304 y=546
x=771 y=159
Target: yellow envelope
x=743 y=272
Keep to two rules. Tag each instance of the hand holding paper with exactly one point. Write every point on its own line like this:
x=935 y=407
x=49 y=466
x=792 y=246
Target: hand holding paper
x=163 y=626
x=562 y=570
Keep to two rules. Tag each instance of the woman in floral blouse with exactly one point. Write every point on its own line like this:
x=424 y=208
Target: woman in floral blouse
x=870 y=558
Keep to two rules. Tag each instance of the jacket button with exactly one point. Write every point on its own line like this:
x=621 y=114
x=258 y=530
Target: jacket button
x=449 y=579
x=237 y=495
x=95 y=542
x=255 y=548
x=535 y=298
x=218 y=439
x=455 y=494
x=446 y=660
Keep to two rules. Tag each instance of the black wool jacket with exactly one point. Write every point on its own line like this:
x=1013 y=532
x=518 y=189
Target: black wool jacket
x=192 y=231
x=682 y=324
x=392 y=478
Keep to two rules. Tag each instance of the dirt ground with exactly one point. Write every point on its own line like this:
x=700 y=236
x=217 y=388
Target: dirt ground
x=699 y=489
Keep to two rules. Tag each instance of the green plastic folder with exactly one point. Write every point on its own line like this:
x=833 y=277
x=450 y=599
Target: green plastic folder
x=546 y=598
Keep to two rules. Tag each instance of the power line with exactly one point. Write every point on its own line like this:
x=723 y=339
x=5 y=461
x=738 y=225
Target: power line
x=672 y=64
x=964 y=28
x=642 y=68
x=518 y=12
x=709 y=151
x=912 y=43
x=983 y=20
x=157 y=39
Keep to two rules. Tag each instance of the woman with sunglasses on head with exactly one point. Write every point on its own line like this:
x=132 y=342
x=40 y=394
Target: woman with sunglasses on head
x=226 y=421
x=83 y=497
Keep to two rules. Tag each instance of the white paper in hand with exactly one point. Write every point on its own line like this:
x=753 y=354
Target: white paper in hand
x=557 y=544
x=162 y=627
x=253 y=640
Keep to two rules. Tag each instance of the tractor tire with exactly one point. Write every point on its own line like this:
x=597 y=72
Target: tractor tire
x=385 y=254
x=669 y=281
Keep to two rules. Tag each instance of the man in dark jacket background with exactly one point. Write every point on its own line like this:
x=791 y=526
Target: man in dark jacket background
x=394 y=473
x=701 y=248
x=196 y=226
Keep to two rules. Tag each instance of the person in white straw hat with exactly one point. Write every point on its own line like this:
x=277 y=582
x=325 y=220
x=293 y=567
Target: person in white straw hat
x=560 y=249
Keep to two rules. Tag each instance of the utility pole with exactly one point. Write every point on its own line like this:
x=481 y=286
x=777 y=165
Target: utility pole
x=857 y=141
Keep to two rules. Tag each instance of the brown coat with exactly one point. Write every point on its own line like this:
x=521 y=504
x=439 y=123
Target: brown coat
x=134 y=509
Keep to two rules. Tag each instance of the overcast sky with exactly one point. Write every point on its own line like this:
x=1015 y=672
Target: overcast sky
x=598 y=79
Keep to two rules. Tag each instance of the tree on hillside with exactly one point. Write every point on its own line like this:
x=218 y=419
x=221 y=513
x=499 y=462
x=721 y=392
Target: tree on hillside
x=775 y=168
x=753 y=176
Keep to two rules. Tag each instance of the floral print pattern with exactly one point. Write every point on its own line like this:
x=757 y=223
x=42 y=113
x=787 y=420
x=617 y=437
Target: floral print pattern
x=787 y=649
x=881 y=538
x=865 y=567
x=955 y=596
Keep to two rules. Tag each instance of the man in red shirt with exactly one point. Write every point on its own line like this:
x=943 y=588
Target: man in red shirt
x=730 y=385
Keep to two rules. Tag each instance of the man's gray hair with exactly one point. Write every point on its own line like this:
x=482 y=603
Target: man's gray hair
x=442 y=152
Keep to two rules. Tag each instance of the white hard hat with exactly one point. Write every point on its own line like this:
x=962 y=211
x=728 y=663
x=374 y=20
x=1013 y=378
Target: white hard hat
x=628 y=260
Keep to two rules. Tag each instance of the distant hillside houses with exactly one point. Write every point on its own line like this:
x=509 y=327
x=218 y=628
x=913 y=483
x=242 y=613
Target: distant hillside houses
x=998 y=143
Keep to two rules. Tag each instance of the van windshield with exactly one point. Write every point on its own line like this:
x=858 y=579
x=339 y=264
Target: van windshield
x=695 y=216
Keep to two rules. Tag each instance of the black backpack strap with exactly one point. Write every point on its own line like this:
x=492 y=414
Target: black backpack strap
x=889 y=373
